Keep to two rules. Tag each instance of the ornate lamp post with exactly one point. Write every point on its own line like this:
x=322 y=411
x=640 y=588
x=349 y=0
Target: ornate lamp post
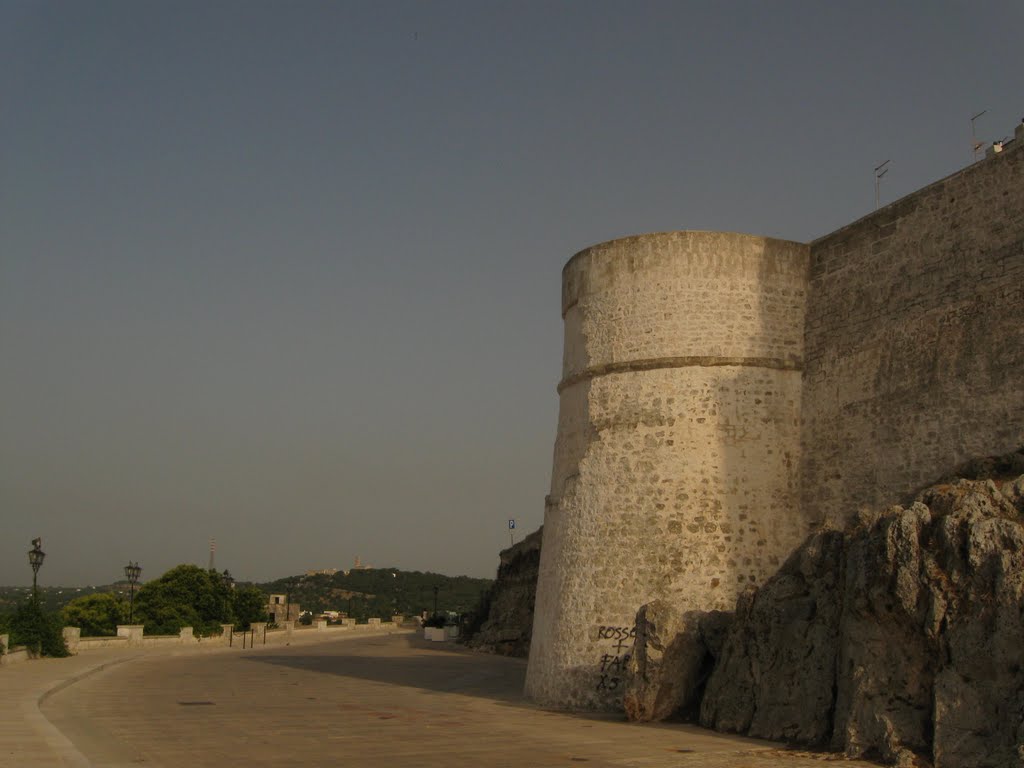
x=132 y=571
x=35 y=559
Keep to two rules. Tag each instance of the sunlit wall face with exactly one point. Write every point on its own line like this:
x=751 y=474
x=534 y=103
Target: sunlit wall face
x=676 y=461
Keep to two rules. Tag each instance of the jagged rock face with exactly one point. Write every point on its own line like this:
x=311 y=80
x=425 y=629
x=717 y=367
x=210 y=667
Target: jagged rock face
x=774 y=679
x=509 y=624
x=979 y=689
x=902 y=638
x=673 y=654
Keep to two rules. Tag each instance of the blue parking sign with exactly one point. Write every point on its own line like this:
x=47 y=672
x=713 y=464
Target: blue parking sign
x=511 y=524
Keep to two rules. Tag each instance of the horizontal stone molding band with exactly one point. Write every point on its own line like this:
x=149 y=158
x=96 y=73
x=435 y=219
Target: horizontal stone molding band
x=689 y=361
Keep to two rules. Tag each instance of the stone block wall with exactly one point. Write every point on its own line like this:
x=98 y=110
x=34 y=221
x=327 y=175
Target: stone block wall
x=675 y=466
x=723 y=394
x=914 y=344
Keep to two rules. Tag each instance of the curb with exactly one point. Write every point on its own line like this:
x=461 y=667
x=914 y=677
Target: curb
x=61 y=745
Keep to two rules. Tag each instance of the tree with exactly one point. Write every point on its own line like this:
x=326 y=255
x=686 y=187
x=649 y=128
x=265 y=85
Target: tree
x=41 y=632
x=249 y=605
x=96 y=615
x=185 y=596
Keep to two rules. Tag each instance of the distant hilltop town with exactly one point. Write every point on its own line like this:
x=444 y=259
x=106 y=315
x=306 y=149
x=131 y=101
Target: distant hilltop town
x=357 y=566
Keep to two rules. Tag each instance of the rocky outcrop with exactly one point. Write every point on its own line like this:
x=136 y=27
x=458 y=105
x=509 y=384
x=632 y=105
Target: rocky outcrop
x=508 y=605
x=673 y=654
x=775 y=675
x=901 y=638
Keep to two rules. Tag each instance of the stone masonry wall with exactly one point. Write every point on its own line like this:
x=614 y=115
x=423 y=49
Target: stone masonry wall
x=915 y=340
x=675 y=466
x=711 y=414
x=509 y=622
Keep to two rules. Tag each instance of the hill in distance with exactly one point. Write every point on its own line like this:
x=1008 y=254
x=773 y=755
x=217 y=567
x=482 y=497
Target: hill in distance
x=380 y=592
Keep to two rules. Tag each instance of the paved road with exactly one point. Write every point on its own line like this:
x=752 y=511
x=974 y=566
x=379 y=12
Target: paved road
x=389 y=700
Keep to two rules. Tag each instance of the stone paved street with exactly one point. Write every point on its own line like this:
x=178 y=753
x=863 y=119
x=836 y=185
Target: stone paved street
x=393 y=700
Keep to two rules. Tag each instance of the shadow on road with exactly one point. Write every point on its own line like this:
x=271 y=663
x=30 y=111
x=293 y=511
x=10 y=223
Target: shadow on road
x=407 y=661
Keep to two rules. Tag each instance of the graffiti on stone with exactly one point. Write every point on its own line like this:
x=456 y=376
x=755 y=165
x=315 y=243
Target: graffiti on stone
x=615 y=656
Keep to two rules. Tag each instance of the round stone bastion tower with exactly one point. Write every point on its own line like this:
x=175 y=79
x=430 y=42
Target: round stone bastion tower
x=676 y=462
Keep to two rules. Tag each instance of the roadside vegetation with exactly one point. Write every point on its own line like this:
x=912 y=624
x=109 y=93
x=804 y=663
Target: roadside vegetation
x=97 y=615
x=185 y=596
x=31 y=625
x=188 y=595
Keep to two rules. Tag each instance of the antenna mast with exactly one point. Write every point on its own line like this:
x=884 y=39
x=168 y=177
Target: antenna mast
x=880 y=171
x=975 y=144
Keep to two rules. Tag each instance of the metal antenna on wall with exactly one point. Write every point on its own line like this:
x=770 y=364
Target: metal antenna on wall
x=975 y=144
x=880 y=171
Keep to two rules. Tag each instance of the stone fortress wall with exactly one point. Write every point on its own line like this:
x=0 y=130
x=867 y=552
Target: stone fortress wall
x=724 y=394
x=915 y=340
x=675 y=466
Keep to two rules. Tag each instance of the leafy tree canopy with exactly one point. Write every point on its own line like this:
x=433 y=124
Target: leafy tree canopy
x=185 y=596
x=40 y=631
x=249 y=605
x=96 y=615
x=190 y=596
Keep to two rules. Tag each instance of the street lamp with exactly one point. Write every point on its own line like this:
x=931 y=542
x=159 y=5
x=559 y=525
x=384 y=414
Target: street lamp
x=35 y=559
x=132 y=571
x=436 y=588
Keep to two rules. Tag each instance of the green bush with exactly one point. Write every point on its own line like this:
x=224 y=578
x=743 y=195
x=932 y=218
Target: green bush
x=97 y=615
x=39 y=631
x=249 y=605
x=185 y=596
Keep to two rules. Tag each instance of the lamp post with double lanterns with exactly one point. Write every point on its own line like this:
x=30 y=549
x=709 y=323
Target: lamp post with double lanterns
x=35 y=559
x=132 y=571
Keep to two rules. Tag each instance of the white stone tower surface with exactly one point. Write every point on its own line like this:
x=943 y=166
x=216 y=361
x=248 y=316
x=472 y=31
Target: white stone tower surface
x=676 y=462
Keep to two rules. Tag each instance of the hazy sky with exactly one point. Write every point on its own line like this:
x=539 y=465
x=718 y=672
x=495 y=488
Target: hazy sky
x=287 y=274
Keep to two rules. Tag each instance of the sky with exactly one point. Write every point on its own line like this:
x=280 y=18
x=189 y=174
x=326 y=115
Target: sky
x=288 y=274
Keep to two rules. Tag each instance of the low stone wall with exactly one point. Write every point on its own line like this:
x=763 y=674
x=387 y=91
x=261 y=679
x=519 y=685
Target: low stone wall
x=91 y=643
x=13 y=655
x=163 y=640
x=75 y=641
x=16 y=655
x=133 y=636
x=285 y=632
